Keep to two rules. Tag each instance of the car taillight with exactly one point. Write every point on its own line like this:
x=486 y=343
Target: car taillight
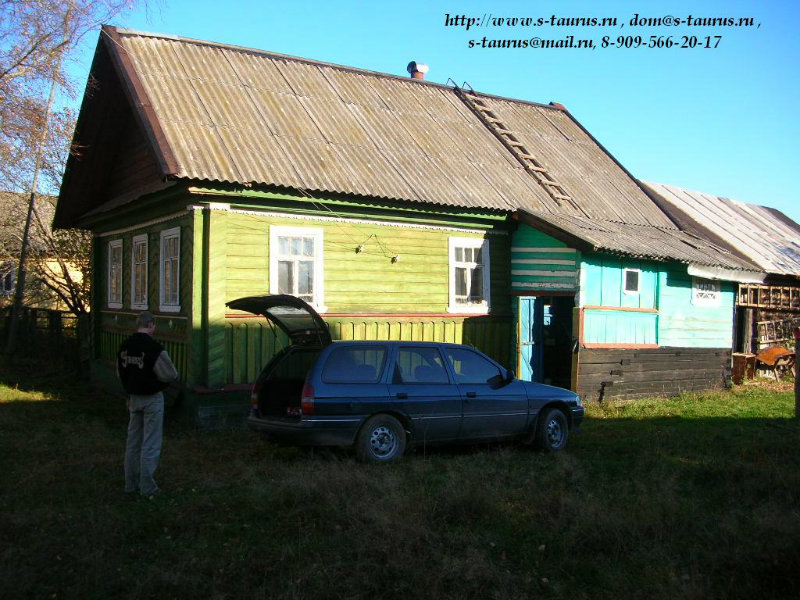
x=307 y=399
x=254 y=395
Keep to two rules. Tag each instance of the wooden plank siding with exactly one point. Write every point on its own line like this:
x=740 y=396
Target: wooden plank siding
x=540 y=263
x=684 y=324
x=366 y=281
x=367 y=295
x=250 y=342
x=610 y=373
x=609 y=315
x=111 y=326
x=662 y=313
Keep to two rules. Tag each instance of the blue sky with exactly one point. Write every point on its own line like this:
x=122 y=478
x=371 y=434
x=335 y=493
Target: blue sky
x=720 y=120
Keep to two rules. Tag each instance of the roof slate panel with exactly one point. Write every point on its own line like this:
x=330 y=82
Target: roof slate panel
x=245 y=116
x=764 y=235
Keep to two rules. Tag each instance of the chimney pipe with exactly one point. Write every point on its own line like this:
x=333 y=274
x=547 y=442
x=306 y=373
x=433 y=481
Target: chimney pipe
x=417 y=70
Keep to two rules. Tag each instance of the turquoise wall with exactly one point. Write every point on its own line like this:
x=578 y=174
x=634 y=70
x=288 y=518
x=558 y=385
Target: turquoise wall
x=683 y=324
x=602 y=286
x=666 y=315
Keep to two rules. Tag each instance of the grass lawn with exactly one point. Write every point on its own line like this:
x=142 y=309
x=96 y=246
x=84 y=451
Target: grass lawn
x=692 y=497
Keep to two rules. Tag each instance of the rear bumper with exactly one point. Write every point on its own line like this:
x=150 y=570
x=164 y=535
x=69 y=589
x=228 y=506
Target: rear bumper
x=309 y=430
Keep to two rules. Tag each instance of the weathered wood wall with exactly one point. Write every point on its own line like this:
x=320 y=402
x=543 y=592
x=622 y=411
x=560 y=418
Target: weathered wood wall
x=613 y=373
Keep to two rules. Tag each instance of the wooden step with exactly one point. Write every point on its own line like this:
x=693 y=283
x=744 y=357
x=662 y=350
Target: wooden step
x=536 y=168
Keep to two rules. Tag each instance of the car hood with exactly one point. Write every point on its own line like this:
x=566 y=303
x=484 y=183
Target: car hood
x=541 y=390
x=294 y=316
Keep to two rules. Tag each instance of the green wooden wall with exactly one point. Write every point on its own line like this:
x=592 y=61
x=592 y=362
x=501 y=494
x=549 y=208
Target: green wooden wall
x=250 y=342
x=111 y=326
x=408 y=298
x=225 y=255
x=366 y=281
x=542 y=263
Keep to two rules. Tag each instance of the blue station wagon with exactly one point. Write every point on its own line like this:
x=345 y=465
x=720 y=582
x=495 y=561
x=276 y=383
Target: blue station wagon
x=383 y=396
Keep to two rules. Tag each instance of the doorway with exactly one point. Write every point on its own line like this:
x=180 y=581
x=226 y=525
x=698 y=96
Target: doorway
x=545 y=339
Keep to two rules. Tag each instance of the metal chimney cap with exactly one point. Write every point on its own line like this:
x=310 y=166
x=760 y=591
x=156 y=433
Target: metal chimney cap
x=415 y=67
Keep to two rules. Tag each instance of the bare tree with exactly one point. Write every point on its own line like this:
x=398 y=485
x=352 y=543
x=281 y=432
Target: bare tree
x=36 y=38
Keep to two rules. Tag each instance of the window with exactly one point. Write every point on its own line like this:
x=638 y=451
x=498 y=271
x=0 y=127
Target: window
x=295 y=264
x=471 y=367
x=630 y=280
x=705 y=292
x=469 y=275
x=139 y=272
x=363 y=364
x=8 y=273
x=114 y=274
x=170 y=276
x=420 y=365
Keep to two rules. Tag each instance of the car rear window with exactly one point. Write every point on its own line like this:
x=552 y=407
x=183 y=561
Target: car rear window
x=294 y=365
x=354 y=364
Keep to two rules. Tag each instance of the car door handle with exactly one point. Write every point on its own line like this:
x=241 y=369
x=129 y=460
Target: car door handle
x=402 y=396
x=472 y=394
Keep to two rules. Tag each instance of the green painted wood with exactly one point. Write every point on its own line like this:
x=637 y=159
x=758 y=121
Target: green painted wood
x=216 y=244
x=538 y=265
x=366 y=281
x=197 y=355
x=251 y=342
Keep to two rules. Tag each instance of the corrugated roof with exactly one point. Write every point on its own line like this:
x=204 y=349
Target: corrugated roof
x=640 y=241
x=238 y=115
x=221 y=113
x=764 y=235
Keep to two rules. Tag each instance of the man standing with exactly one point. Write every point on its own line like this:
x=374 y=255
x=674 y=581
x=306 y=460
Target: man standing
x=145 y=369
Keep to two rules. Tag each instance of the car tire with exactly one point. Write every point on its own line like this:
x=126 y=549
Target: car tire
x=382 y=439
x=552 y=431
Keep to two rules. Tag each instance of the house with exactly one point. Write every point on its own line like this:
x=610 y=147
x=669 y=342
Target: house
x=398 y=207
x=43 y=265
x=768 y=306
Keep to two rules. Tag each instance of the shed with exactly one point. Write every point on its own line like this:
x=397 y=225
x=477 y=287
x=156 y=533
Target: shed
x=768 y=305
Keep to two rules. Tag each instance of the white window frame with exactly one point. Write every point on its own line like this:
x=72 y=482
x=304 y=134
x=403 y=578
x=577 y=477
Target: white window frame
x=136 y=241
x=12 y=271
x=484 y=306
x=625 y=289
x=165 y=304
x=706 y=297
x=114 y=301
x=278 y=231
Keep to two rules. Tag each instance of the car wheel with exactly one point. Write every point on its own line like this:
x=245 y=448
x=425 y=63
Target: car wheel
x=381 y=439
x=552 y=431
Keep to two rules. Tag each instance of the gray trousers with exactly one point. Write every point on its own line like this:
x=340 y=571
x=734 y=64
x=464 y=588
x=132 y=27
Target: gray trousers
x=143 y=449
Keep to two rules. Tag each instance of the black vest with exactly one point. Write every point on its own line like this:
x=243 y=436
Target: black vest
x=135 y=360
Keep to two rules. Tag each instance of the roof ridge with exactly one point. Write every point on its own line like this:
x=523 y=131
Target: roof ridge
x=321 y=63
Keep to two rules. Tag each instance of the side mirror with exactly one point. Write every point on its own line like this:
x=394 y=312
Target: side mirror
x=509 y=376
